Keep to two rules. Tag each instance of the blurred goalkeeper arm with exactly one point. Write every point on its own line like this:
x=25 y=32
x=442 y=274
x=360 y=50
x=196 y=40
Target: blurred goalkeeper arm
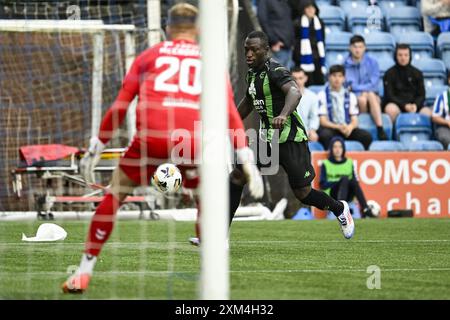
x=111 y=121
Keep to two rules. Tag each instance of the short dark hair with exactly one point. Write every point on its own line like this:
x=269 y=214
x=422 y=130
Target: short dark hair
x=402 y=46
x=259 y=35
x=357 y=38
x=297 y=69
x=336 y=68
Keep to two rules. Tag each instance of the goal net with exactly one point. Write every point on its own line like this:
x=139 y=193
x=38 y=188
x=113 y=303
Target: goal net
x=61 y=66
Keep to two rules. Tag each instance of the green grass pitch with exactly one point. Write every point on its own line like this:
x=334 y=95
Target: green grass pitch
x=268 y=260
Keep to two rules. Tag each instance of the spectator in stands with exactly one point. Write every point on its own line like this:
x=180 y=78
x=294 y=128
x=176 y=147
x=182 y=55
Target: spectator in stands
x=308 y=107
x=309 y=48
x=338 y=178
x=363 y=74
x=297 y=7
x=441 y=116
x=275 y=19
x=338 y=111
x=404 y=89
x=434 y=13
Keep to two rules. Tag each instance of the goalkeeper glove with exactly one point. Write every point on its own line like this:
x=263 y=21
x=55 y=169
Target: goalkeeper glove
x=91 y=159
x=254 y=179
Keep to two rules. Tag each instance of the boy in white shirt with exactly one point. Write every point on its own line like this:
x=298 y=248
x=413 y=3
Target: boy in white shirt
x=338 y=111
x=308 y=108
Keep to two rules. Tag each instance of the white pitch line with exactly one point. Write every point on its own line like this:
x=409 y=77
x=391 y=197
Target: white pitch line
x=135 y=273
x=340 y=241
x=54 y=244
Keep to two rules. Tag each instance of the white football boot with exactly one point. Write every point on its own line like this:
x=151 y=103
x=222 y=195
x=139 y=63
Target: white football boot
x=346 y=221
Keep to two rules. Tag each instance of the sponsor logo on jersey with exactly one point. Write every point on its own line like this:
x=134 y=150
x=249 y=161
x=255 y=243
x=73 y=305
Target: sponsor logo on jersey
x=252 y=90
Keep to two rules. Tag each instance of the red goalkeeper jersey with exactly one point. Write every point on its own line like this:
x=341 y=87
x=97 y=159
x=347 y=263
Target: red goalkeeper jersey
x=166 y=79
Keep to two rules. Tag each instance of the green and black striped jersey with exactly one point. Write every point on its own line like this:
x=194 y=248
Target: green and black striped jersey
x=265 y=94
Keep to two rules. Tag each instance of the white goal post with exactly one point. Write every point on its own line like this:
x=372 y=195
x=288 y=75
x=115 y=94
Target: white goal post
x=214 y=278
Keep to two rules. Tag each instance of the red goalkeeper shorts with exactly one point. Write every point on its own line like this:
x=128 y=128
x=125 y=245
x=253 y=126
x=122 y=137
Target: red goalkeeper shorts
x=141 y=158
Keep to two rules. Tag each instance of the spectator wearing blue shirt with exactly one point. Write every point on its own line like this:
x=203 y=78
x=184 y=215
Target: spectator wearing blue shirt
x=363 y=74
x=441 y=116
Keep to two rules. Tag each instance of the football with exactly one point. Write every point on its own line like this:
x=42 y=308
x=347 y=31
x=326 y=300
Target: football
x=375 y=207
x=167 y=178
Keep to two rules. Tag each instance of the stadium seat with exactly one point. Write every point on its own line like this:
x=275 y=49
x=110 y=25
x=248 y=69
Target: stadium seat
x=357 y=20
x=315 y=146
x=384 y=63
x=403 y=19
x=316 y=88
x=333 y=17
x=303 y=214
x=432 y=92
x=380 y=45
x=430 y=145
x=421 y=43
x=333 y=57
x=350 y=5
x=381 y=88
x=434 y=72
x=412 y=127
x=386 y=146
x=324 y=2
x=337 y=47
x=366 y=122
x=338 y=40
x=352 y=145
x=443 y=48
x=387 y=5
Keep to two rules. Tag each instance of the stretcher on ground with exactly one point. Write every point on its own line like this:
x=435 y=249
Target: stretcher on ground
x=67 y=171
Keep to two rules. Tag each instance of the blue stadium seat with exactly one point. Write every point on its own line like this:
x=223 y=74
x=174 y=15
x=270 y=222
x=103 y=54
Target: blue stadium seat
x=443 y=48
x=338 y=40
x=386 y=146
x=352 y=145
x=381 y=87
x=384 y=63
x=350 y=5
x=315 y=146
x=333 y=17
x=337 y=47
x=412 y=127
x=380 y=44
x=365 y=122
x=433 y=70
x=403 y=19
x=432 y=92
x=387 y=5
x=303 y=214
x=421 y=43
x=316 y=88
x=324 y=2
x=357 y=20
x=430 y=145
x=333 y=57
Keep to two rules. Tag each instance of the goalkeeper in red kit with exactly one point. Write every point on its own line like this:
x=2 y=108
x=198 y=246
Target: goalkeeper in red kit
x=166 y=79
